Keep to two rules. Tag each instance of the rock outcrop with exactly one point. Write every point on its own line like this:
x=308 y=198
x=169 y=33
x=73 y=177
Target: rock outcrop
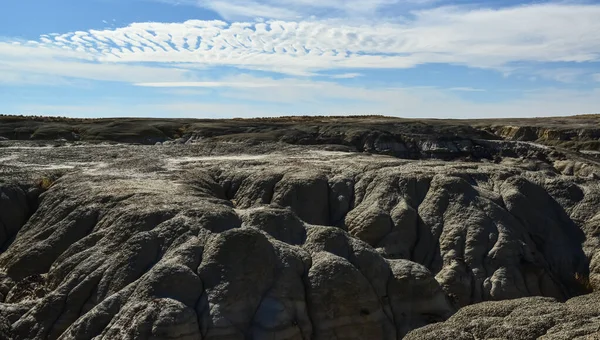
x=218 y=240
x=487 y=232
x=129 y=258
x=521 y=319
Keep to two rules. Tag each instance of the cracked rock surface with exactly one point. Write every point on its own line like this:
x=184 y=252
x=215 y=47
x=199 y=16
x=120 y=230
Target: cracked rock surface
x=234 y=241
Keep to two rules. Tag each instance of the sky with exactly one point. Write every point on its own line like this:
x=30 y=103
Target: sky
x=249 y=58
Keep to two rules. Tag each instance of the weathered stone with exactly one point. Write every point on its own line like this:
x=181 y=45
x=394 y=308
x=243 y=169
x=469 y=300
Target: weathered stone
x=192 y=241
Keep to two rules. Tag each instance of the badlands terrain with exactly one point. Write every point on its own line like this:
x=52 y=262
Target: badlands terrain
x=299 y=228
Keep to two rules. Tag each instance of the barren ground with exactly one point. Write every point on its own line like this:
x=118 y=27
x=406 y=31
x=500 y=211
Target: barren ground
x=303 y=228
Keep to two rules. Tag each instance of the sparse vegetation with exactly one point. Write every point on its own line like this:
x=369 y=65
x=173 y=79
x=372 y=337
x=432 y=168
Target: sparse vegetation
x=46 y=181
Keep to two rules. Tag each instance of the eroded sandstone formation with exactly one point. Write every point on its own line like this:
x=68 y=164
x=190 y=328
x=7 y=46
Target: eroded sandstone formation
x=119 y=258
x=526 y=318
x=198 y=242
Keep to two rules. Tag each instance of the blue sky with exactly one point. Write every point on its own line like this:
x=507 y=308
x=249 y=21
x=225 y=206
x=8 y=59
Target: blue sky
x=241 y=58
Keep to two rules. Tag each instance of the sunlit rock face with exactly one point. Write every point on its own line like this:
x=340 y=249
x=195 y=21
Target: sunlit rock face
x=234 y=240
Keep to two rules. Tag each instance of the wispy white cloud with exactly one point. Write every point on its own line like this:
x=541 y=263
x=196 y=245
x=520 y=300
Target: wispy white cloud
x=248 y=81
x=31 y=63
x=410 y=103
x=466 y=89
x=262 y=83
x=231 y=10
x=295 y=96
x=10 y=77
x=347 y=75
x=484 y=38
x=169 y=55
x=563 y=75
x=299 y=9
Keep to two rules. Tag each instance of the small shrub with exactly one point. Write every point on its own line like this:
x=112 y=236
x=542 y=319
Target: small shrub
x=45 y=183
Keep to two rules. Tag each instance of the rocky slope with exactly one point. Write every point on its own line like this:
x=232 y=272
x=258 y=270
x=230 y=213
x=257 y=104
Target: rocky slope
x=234 y=239
x=526 y=318
x=405 y=138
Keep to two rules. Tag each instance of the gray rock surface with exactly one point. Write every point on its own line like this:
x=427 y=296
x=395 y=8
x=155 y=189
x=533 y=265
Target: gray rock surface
x=117 y=257
x=521 y=319
x=279 y=242
x=488 y=232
